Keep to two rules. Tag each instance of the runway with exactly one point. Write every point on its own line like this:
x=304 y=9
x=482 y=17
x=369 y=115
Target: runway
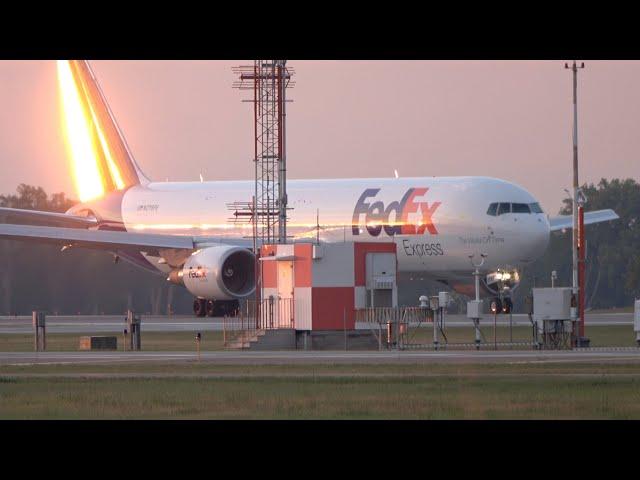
x=630 y=354
x=162 y=323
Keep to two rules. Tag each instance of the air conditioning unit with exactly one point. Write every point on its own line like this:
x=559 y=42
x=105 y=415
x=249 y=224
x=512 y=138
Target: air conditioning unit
x=552 y=303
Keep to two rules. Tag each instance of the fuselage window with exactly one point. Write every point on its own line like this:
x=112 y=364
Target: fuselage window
x=520 y=208
x=493 y=208
x=504 y=208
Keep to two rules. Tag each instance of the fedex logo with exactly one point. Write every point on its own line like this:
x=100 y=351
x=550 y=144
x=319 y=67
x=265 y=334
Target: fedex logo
x=377 y=216
x=202 y=274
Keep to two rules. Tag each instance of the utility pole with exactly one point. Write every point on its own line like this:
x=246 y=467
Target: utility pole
x=576 y=230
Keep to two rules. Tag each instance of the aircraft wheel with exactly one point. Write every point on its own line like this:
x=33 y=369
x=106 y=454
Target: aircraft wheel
x=199 y=307
x=507 y=305
x=211 y=305
x=495 y=306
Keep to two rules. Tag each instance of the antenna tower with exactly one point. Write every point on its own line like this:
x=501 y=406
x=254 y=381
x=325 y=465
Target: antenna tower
x=269 y=80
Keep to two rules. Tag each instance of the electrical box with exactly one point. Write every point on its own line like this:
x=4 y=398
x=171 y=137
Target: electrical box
x=443 y=299
x=636 y=316
x=433 y=303
x=318 y=252
x=552 y=303
x=474 y=309
x=380 y=279
x=381 y=271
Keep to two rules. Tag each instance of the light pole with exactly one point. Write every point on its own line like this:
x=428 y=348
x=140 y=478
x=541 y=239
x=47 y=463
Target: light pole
x=574 y=208
x=476 y=315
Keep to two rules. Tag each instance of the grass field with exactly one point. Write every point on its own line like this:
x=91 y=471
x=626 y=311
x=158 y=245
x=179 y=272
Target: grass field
x=151 y=341
x=192 y=390
x=601 y=336
x=196 y=391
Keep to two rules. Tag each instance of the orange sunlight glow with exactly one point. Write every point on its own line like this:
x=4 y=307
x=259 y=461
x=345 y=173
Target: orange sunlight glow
x=113 y=168
x=81 y=128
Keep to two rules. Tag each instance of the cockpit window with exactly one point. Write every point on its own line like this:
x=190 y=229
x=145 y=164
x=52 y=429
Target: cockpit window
x=504 y=208
x=496 y=209
x=520 y=208
x=535 y=208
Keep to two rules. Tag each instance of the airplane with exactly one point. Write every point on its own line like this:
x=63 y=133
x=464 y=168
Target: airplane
x=182 y=230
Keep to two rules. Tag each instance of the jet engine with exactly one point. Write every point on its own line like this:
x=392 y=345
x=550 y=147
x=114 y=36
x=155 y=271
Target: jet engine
x=219 y=272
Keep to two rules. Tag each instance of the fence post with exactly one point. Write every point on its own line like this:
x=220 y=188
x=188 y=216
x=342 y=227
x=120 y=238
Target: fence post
x=39 y=330
x=133 y=322
x=344 y=326
x=224 y=332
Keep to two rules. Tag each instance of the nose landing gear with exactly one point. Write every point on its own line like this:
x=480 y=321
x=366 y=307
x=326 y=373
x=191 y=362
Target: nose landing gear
x=199 y=307
x=501 y=306
x=495 y=305
x=215 y=308
x=507 y=305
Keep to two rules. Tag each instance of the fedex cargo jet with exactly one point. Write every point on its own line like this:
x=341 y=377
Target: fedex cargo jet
x=181 y=229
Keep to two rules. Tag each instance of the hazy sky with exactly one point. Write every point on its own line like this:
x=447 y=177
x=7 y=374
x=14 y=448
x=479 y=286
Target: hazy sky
x=507 y=119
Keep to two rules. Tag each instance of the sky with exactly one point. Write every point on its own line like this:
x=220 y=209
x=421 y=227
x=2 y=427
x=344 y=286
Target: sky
x=505 y=119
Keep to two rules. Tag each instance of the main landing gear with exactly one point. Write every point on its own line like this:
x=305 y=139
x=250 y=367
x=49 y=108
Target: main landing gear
x=214 y=308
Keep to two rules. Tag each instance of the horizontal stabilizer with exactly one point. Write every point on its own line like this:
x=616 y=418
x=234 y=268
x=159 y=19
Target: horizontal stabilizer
x=37 y=217
x=97 y=239
x=563 y=222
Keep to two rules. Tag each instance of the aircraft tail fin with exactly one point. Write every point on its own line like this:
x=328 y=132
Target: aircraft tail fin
x=114 y=161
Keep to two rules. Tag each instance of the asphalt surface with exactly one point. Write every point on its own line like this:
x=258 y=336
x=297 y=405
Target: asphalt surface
x=626 y=355
x=161 y=323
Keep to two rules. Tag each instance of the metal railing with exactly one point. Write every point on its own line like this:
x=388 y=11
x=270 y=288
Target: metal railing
x=254 y=317
x=382 y=315
x=394 y=321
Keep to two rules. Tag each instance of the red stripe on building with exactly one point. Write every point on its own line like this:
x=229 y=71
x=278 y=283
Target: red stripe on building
x=302 y=264
x=333 y=308
x=269 y=267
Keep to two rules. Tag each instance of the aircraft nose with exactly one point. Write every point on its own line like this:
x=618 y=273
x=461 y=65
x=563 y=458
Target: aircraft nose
x=539 y=240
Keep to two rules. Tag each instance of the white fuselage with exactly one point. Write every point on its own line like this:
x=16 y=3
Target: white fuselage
x=443 y=220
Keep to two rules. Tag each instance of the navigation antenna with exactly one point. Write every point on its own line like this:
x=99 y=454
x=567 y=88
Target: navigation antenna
x=269 y=80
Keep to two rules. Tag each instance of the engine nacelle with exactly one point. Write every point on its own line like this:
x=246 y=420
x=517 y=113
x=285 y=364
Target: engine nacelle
x=218 y=273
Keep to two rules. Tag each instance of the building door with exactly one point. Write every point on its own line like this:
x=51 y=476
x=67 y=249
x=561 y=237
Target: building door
x=285 y=294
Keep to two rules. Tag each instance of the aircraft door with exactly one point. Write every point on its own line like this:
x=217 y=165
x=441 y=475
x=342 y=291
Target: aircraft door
x=284 y=311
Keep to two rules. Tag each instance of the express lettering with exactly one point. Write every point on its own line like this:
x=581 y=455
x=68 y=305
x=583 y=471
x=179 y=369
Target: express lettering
x=377 y=217
x=422 y=249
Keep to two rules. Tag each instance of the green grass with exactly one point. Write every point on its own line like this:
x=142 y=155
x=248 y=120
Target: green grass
x=151 y=341
x=334 y=392
x=193 y=390
x=194 y=367
x=601 y=336
x=628 y=309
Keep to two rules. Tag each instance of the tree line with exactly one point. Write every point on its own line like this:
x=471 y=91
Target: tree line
x=76 y=281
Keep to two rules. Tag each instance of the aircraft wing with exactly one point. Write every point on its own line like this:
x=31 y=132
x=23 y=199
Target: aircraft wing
x=562 y=222
x=36 y=217
x=98 y=239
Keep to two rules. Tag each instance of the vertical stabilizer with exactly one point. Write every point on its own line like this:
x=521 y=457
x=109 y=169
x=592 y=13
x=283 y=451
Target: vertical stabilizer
x=100 y=152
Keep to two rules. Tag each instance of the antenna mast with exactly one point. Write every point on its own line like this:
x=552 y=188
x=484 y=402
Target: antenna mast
x=269 y=80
